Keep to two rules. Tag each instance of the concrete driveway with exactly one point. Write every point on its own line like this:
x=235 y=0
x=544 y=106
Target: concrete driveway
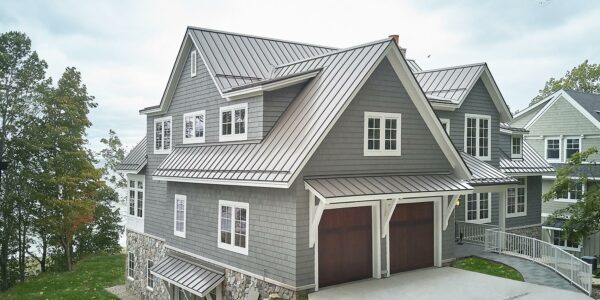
x=443 y=283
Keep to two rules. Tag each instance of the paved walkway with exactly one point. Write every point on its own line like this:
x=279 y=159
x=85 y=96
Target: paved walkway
x=532 y=272
x=121 y=292
x=443 y=283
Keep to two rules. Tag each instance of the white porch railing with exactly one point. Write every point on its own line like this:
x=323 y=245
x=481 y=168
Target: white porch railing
x=472 y=232
x=578 y=272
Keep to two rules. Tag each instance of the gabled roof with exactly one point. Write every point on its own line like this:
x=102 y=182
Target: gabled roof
x=447 y=88
x=531 y=163
x=136 y=160
x=484 y=173
x=588 y=104
x=507 y=128
x=277 y=160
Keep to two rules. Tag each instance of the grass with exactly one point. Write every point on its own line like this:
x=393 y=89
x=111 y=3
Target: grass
x=488 y=267
x=87 y=281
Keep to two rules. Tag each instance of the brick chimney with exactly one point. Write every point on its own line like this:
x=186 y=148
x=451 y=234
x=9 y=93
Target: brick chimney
x=396 y=39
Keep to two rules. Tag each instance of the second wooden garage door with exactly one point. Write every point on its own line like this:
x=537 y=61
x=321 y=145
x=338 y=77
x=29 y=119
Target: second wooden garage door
x=411 y=237
x=345 y=245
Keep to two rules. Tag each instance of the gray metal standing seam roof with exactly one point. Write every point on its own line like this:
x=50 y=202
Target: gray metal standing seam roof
x=136 y=159
x=187 y=275
x=414 y=67
x=281 y=153
x=484 y=173
x=235 y=59
x=340 y=187
x=451 y=84
x=531 y=162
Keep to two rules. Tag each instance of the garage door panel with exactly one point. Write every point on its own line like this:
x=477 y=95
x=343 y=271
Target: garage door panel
x=411 y=237
x=345 y=245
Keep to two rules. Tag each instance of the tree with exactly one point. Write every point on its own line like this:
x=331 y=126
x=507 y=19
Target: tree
x=582 y=218
x=583 y=78
x=22 y=76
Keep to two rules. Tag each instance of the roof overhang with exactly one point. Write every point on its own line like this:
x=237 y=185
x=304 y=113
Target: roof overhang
x=130 y=171
x=550 y=100
x=270 y=85
x=192 y=277
x=269 y=184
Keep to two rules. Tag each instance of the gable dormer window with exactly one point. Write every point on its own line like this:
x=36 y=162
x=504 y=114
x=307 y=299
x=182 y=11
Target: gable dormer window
x=193 y=64
x=233 y=121
x=193 y=127
x=382 y=134
x=516 y=147
x=477 y=136
x=162 y=135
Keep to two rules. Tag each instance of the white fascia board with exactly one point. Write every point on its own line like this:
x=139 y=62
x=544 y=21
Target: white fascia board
x=423 y=105
x=258 y=90
x=401 y=196
x=541 y=102
x=283 y=185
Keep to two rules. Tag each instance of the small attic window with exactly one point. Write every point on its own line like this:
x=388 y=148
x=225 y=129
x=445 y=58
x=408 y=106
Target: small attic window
x=193 y=63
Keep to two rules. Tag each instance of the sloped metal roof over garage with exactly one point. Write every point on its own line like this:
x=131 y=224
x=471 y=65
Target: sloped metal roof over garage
x=389 y=185
x=135 y=160
x=187 y=275
x=530 y=163
x=484 y=173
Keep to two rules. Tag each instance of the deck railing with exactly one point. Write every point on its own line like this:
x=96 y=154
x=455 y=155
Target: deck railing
x=472 y=232
x=577 y=271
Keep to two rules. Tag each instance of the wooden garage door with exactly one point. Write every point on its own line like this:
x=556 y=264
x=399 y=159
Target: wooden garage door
x=411 y=237
x=345 y=245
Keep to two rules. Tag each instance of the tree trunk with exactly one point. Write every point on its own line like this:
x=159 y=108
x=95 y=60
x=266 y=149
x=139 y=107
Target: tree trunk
x=67 y=249
x=44 y=251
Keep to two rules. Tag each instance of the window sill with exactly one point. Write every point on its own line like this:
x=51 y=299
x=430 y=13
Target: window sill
x=161 y=152
x=179 y=234
x=135 y=217
x=231 y=248
x=233 y=138
x=483 y=221
x=130 y=278
x=193 y=140
x=516 y=215
x=382 y=153
x=566 y=200
x=149 y=289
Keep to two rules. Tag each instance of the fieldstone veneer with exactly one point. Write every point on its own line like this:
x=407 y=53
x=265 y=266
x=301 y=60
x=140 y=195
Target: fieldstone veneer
x=144 y=247
x=238 y=285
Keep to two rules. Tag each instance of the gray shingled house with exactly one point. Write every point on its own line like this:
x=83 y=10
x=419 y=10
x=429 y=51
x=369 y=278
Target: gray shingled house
x=277 y=166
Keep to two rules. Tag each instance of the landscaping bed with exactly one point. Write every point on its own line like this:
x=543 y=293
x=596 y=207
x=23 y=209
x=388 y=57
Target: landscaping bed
x=485 y=266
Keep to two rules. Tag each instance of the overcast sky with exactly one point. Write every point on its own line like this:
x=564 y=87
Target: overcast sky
x=126 y=49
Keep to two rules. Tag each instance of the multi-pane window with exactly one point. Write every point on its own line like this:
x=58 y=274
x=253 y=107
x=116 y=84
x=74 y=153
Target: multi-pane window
x=193 y=127
x=233 y=122
x=149 y=275
x=553 y=149
x=193 y=63
x=573 y=193
x=516 y=199
x=478 y=208
x=131 y=265
x=233 y=226
x=517 y=146
x=162 y=135
x=382 y=134
x=558 y=239
x=572 y=146
x=477 y=136
x=136 y=195
x=180 y=215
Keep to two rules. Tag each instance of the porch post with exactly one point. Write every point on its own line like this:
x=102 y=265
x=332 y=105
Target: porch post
x=502 y=211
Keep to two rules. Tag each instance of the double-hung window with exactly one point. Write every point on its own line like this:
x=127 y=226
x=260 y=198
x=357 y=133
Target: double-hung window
x=573 y=194
x=516 y=146
x=149 y=276
x=382 y=134
x=193 y=63
x=477 y=136
x=553 y=149
x=516 y=199
x=180 y=215
x=572 y=146
x=233 y=122
x=136 y=195
x=559 y=240
x=233 y=226
x=193 y=127
x=130 y=265
x=162 y=135
x=478 y=208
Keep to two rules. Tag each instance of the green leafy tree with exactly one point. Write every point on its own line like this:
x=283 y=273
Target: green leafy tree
x=583 y=78
x=582 y=218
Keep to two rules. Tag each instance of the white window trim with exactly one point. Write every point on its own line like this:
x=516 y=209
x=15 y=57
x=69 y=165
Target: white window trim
x=175 y=232
x=194 y=139
x=447 y=122
x=564 y=246
x=479 y=117
x=572 y=200
x=564 y=149
x=136 y=178
x=233 y=136
x=517 y=214
x=382 y=152
x=193 y=63
x=232 y=247
x=129 y=254
x=163 y=150
x=555 y=160
x=478 y=220
x=512 y=154
x=148 y=287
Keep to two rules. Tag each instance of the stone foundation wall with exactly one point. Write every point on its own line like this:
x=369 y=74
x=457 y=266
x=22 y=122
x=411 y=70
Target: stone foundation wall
x=533 y=231
x=238 y=285
x=144 y=248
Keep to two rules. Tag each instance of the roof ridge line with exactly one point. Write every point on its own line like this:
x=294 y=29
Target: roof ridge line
x=452 y=67
x=260 y=37
x=334 y=52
